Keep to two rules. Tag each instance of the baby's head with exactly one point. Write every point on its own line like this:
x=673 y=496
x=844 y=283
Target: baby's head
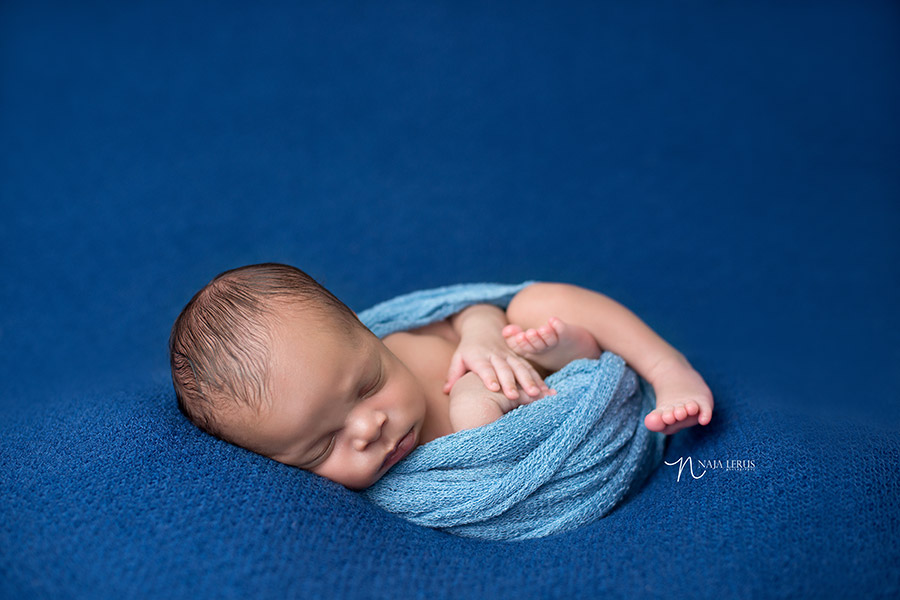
x=266 y=358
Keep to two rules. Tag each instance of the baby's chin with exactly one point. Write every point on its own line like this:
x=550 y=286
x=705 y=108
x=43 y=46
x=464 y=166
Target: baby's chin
x=360 y=487
x=360 y=482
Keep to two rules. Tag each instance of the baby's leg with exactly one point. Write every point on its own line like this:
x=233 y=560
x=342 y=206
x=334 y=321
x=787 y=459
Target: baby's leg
x=552 y=345
x=682 y=397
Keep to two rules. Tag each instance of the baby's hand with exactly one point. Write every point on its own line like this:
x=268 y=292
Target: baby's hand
x=488 y=355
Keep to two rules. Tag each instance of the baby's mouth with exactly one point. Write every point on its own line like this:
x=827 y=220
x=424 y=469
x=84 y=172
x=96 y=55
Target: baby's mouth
x=403 y=447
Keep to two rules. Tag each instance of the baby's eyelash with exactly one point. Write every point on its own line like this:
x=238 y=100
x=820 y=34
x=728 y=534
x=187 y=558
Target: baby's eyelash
x=376 y=386
x=326 y=450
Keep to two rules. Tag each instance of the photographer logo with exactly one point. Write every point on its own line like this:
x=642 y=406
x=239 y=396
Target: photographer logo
x=710 y=465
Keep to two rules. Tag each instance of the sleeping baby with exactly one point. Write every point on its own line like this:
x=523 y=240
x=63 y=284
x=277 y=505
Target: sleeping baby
x=266 y=358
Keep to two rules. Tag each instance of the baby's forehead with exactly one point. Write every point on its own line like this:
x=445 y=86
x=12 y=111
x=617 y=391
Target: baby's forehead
x=293 y=327
x=296 y=313
x=307 y=364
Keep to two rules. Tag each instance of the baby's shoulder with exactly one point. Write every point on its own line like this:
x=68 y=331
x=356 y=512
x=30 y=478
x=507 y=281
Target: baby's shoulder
x=426 y=351
x=427 y=334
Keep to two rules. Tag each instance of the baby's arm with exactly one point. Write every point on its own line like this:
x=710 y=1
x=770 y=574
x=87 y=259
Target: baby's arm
x=473 y=405
x=483 y=349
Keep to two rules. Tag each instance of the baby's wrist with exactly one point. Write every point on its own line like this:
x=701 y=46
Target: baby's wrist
x=479 y=318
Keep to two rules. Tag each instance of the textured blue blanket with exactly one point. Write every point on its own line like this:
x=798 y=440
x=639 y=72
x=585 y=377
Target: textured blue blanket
x=725 y=169
x=543 y=468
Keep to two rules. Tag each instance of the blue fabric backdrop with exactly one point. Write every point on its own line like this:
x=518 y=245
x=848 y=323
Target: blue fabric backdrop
x=728 y=170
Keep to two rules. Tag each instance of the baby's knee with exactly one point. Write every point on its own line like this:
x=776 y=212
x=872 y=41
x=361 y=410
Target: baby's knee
x=538 y=302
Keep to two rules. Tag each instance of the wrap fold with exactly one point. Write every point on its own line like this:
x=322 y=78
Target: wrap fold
x=543 y=468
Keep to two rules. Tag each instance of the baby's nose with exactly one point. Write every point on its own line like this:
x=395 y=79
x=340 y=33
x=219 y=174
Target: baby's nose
x=369 y=430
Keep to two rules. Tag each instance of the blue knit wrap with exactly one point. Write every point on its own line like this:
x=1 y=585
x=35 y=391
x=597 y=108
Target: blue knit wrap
x=542 y=468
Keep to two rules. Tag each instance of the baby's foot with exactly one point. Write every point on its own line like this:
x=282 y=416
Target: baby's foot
x=552 y=346
x=683 y=400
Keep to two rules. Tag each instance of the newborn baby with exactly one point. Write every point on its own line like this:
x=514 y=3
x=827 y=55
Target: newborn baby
x=266 y=358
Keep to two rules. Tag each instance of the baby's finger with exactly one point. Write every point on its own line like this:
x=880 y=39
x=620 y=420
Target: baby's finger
x=457 y=370
x=507 y=377
x=485 y=371
x=528 y=377
x=538 y=380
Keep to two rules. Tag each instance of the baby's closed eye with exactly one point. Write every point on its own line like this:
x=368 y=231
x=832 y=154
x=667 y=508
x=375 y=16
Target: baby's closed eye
x=323 y=454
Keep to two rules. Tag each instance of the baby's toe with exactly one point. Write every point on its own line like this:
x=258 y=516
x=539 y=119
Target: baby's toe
x=511 y=330
x=668 y=417
x=536 y=340
x=558 y=325
x=524 y=343
x=680 y=413
x=653 y=421
x=692 y=408
x=548 y=334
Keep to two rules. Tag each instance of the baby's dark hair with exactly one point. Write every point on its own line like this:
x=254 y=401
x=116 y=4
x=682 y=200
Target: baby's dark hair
x=219 y=345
